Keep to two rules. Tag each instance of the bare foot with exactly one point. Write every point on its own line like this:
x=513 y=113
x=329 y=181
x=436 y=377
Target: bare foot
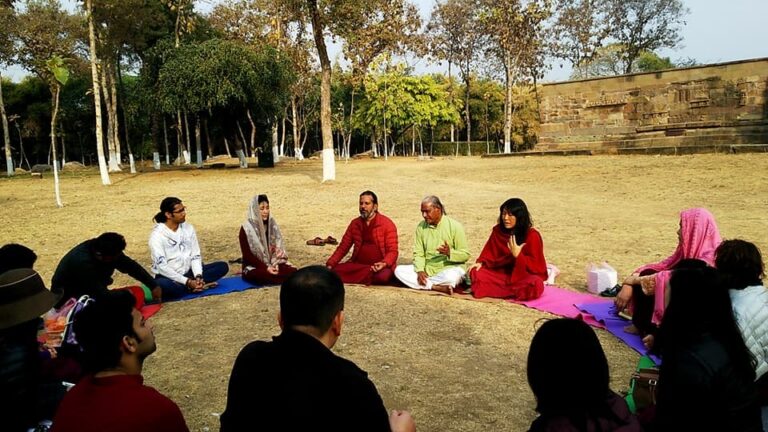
x=631 y=329
x=648 y=341
x=445 y=289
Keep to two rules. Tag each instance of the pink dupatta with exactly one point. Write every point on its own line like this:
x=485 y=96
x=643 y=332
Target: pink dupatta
x=699 y=237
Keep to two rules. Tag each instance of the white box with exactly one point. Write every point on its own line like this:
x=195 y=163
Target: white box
x=601 y=277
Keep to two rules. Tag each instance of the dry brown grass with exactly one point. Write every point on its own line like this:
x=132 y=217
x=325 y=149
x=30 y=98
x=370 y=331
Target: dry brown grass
x=457 y=365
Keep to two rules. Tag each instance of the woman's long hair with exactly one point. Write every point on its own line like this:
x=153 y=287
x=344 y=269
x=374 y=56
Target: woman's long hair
x=517 y=208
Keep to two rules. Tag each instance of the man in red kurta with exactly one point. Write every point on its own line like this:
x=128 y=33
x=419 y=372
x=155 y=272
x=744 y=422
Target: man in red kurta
x=374 y=237
x=501 y=274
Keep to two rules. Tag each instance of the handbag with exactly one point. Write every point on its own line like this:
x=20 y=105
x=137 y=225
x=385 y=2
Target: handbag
x=643 y=388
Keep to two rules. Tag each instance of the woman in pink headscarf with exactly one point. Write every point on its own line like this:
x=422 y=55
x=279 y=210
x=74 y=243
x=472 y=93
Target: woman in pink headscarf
x=645 y=290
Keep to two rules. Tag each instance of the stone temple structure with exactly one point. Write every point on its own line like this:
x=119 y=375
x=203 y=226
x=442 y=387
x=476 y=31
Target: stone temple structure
x=717 y=107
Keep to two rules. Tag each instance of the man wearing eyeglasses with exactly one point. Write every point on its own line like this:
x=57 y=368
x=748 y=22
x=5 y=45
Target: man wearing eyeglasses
x=87 y=269
x=176 y=259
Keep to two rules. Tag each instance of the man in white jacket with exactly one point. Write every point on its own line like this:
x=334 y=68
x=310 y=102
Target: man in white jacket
x=176 y=260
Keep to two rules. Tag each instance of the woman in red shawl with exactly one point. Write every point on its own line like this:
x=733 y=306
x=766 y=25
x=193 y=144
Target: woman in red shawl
x=261 y=242
x=512 y=263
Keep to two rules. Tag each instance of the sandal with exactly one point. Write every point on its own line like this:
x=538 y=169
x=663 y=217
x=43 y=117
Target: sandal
x=331 y=241
x=317 y=241
x=611 y=292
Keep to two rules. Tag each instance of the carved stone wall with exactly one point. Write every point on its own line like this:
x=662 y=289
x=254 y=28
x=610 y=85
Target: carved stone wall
x=712 y=105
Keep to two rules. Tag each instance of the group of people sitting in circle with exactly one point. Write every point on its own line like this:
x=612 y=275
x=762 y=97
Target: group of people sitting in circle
x=504 y=269
x=703 y=310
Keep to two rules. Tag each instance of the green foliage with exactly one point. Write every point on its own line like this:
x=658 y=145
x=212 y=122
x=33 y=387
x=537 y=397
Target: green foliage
x=401 y=101
x=59 y=70
x=650 y=61
x=218 y=73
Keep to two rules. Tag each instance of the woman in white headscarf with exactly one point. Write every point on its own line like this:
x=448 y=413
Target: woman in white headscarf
x=264 y=259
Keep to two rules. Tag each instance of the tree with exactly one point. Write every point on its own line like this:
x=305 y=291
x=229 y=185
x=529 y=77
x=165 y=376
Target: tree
x=96 y=87
x=457 y=37
x=516 y=30
x=579 y=29
x=6 y=54
x=47 y=35
x=398 y=102
x=645 y=25
x=608 y=62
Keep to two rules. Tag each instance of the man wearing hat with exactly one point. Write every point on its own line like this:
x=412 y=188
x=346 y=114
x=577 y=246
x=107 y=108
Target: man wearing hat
x=23 y=298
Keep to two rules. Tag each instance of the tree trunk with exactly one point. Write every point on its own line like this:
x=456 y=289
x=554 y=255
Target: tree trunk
x=155 y=141
x=298 y=151
x=275 y=151
x=253 y=131
x=318 y=28
x=208 y=142
x=63 y=149
x=282 y=136
x=198 y=143
x=242 y=137
x=121 y=106
x=21 y=148
x=508 y=103
x=167 y=144
x=348 y=142
x=188 y=155
x=6 y=134
x=450 y=94
x=114 y=116
x=467 y=117
x=114 y=158
x=96 y=95
x=54 y=114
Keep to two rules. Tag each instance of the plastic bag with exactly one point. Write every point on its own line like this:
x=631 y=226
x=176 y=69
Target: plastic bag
x=601 y=277
x=55 y=321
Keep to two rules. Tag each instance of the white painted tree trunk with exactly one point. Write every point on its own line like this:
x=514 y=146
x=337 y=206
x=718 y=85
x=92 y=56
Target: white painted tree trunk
x=241 y=156
x=167 y=144
x=282 y=137
x=6 y=134
x=298 y=149
x=53 y=145
x=275 y=150
x=96 y=95
x=133 y=163
x=198 y=144
x=187 y=155
x=155 y=160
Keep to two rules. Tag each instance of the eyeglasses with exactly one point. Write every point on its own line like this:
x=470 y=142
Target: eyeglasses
x=181 y=210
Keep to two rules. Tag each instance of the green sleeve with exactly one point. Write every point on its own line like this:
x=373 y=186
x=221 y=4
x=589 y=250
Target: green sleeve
x=419 y=257
x=459 y=248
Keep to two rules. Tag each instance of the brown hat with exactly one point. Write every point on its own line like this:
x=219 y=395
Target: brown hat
x=23 y=297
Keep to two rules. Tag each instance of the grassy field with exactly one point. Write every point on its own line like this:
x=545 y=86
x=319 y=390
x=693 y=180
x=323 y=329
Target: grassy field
x=457 y=365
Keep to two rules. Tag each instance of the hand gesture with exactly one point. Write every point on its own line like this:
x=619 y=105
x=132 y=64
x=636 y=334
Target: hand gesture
x=422 y=278
x=376 y=267
x=444 y=249
x=195 y=285
x=272 y=269
x=476 y=266
x=157 y=294
x=514 y=247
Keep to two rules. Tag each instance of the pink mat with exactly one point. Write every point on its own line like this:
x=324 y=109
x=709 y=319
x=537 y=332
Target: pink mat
x=562 y=302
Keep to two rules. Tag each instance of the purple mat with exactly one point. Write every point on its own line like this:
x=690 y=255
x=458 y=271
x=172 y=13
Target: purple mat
x=606 y=313
x=562 y=302
x=226 y=285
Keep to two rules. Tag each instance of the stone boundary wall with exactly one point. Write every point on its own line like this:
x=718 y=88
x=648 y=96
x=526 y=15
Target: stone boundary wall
x=703 y=106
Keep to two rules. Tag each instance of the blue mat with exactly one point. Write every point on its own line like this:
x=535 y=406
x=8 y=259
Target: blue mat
x=606 y=313
x=226 y=285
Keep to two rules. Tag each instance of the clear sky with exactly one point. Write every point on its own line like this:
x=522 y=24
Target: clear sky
x=716 y=31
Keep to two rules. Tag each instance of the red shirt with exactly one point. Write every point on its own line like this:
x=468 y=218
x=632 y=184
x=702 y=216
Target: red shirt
x=120 y=403
x=384 y=235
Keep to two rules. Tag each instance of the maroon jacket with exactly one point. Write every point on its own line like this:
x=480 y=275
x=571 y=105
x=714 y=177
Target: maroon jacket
x=384 y=234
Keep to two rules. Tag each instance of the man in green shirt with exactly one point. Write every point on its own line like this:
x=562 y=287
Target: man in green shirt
x=439 y=252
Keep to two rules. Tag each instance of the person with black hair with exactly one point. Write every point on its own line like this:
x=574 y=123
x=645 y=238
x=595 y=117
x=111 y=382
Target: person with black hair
x=577 y=397
x=176 y=259
x=88 y=267
x=16 y=256
x=265 y=260
x=512 y=263
x=706 y=379
x=115 y=340
x=742 y=264
x=373 y=240
x=296 y=382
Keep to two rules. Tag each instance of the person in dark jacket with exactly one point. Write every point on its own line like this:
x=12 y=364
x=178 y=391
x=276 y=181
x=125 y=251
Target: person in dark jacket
x=706 y=379
x=576 y=397
x=295 y=382
x=87 y=269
